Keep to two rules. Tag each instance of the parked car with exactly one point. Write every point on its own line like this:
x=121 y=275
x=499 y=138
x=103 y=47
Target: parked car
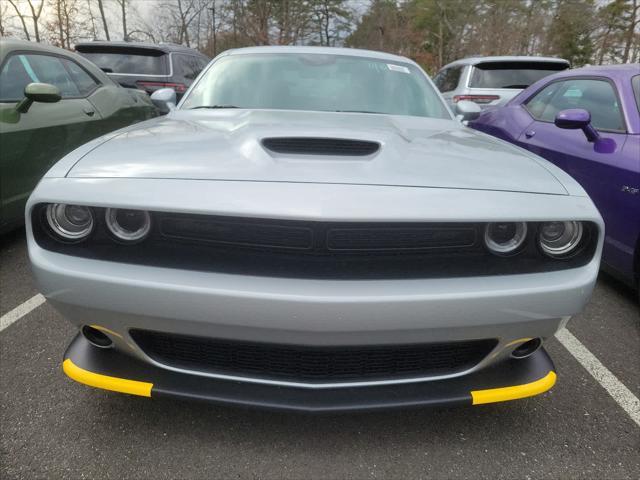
x=312 y=229
x=493 y=81
x=146 y=66
x=52 y=101
x=587 y=122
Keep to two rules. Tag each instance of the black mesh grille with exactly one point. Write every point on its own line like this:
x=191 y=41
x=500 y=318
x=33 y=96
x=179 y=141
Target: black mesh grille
x=316 y=236
x=401 y=239
x=320 y=146
x=237 y=232
x=311 y=364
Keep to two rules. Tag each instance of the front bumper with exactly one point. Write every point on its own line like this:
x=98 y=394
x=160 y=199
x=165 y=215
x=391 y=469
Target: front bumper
x=112 y=370
x=118 y=297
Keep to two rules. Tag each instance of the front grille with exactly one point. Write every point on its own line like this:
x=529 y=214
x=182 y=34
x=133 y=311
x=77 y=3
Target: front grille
x=400 y=238
x=236 y=232
x=311 y=364
x=319 y=237
x=320 y=146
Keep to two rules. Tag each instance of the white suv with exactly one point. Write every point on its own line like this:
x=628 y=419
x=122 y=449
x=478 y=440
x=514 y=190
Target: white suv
x=493 y=81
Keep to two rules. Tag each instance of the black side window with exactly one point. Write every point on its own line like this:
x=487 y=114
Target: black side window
x=596 y=96
x=23 y=69
x=447 y=80
x=187 y=66
x=85 y=82
x=13 y=79
x=202 y=63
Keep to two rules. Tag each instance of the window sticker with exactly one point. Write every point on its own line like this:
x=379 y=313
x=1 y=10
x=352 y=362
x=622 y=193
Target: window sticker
x=398 y=68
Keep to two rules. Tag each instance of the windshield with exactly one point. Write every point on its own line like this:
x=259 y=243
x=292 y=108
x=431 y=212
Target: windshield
x=129 y=61
x=512 y=74
x=316 y=82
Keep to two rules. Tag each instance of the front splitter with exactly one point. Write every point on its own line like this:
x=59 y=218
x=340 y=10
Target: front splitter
x=113 y=370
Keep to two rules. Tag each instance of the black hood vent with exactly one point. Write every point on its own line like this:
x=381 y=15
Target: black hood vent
x=320 y=146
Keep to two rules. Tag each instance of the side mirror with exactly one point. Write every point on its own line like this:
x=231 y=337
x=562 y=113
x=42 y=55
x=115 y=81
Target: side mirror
x=467 y=110
x=164 y=99
x=578 y=118
x=38 y=92
x=573 y=119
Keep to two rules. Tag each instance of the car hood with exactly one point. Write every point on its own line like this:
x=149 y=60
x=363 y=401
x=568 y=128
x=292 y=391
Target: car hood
x=227 y=145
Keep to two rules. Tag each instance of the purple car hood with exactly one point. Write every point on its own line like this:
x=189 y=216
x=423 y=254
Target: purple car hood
x=227 y=145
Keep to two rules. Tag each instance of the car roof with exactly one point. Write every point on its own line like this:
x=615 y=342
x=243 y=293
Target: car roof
x=617 y=72
x=353 y=52
x=622 y=70
x=506 y=58
x=161 y=47
x=12 y=45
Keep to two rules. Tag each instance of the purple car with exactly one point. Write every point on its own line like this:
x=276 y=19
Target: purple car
x=587 y=122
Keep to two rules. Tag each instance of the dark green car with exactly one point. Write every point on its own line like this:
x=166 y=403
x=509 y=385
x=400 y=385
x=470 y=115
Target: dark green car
x=52 y=101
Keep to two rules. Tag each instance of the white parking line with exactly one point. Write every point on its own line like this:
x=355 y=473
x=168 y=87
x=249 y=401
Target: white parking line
x=20 y=311
x=620 y=393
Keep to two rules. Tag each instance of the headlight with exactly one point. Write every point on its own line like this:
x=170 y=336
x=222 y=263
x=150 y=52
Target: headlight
x=505 y=238
x=558 y=239
x=70 y=222
x=128 y=225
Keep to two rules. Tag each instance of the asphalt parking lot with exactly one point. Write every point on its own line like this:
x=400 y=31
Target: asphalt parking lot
x=52 y=427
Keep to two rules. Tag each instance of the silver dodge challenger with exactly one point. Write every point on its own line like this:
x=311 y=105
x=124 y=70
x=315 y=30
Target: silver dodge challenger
x=312 y=229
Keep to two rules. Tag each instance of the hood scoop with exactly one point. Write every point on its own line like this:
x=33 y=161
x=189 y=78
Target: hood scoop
x=320 y=146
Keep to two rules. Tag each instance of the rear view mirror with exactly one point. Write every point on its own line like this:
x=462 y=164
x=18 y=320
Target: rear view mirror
x=467 y=110
x=38 y=92
x=164 y=99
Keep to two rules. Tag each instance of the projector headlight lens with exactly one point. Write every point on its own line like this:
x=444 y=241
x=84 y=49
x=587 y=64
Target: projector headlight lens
x=559 y=239
x=70 y=222
x=505 y=238
x=128 y=225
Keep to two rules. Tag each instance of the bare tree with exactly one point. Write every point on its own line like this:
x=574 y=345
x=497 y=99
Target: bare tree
x=104 y=19
x=36 y=9
x=5 y=19
x=332 y=19
x=22 y=18
x=255 y=18
x=188 y=11
x=66 y=25
x=180 y=15
x=634 y=21
x=214 y=27
x=36 y=12
x=94 y=32
x=123 y=13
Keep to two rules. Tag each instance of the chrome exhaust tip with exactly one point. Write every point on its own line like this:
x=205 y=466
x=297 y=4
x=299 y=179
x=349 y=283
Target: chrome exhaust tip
x=96 y=338
x=526 y=349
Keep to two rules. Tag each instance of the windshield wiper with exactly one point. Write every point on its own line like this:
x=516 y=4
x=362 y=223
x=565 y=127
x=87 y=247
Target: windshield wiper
x=214 y=106
x=358 y=111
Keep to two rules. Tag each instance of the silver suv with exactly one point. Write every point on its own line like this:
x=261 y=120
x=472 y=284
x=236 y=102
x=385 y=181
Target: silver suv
x=492 y=81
